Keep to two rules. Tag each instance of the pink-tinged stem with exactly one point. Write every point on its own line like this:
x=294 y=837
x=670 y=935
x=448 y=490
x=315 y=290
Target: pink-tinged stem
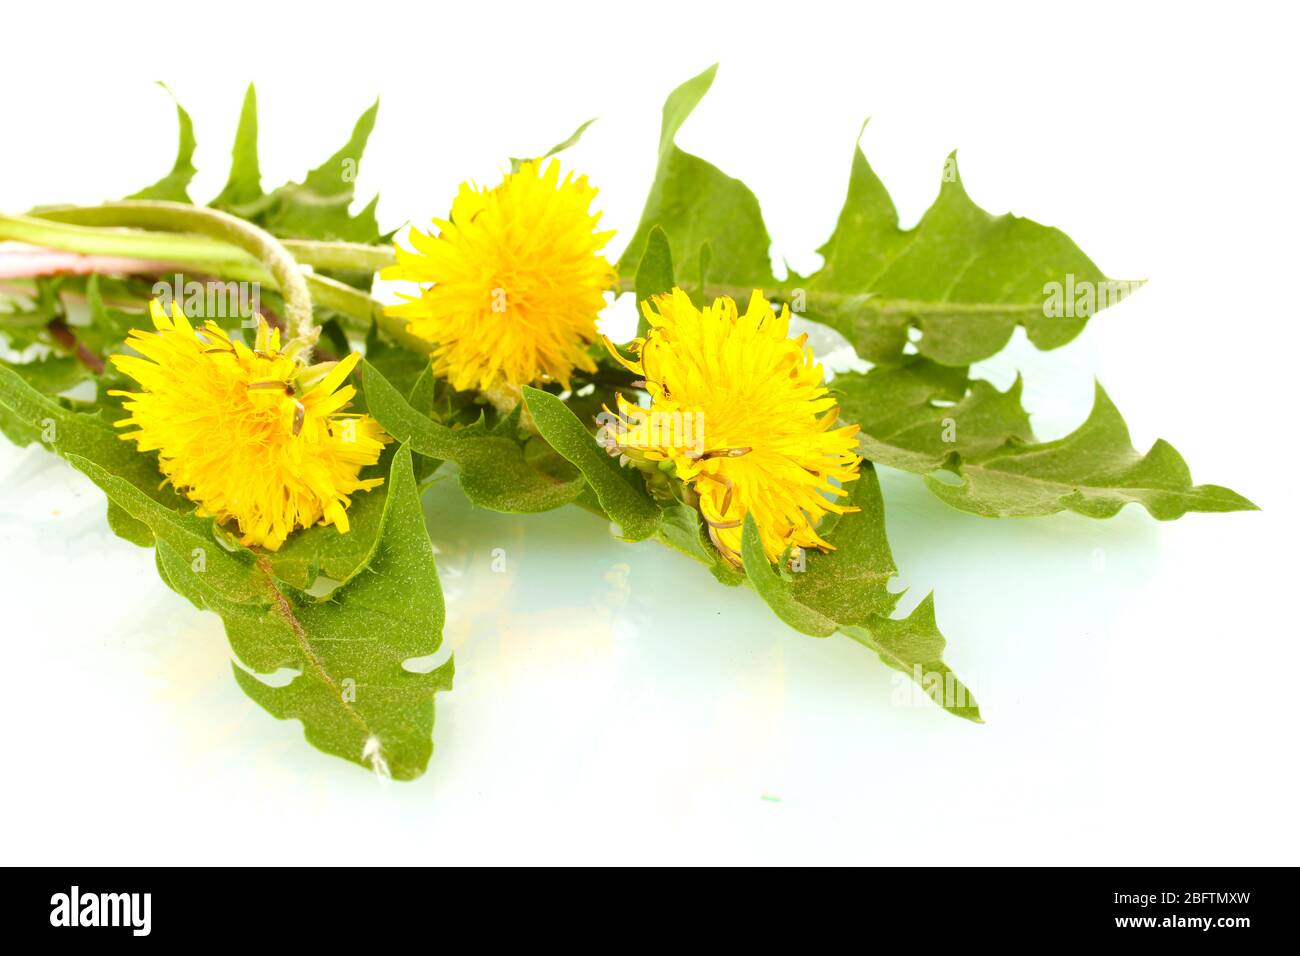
x=24 y=262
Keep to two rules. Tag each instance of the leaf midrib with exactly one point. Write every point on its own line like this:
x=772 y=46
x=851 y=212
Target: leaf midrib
x=285 y=609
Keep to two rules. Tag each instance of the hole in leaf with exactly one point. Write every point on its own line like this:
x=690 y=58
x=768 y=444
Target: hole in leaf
x=429 y=662
x=281 y=677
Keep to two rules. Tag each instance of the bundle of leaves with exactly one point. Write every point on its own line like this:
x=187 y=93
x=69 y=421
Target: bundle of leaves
x=354 y=614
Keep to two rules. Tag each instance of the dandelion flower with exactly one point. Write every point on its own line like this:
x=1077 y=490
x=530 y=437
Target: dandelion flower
x=251 y=435
x=741 y=411
x=517 y=281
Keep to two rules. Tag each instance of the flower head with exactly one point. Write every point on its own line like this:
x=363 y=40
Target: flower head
x=249 y=434
x=740 y=410
x=517 y=281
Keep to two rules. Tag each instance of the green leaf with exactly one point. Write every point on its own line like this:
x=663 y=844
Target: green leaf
x=963 y=277
x=516 y=164
x=321 y=550
x=23 y=326
x=776 y=592
x=681 y=528
x=244 y=185
x=850 y=584
x=921 y=416
x=32 y=414
x=68 y=433
x=50 y=375
x=183 y=543
x=696 y=203
x=340 y=647
x=847 y=586
x=399 y=366
x=271 y=623
x=124 y=526
x=621 y=491
x=352 y=693
x=334 y=338
x=846 y=590
x=927 y=419
x=1093 y=471
x=654 y=274
x=316 y=208
x=26 y=323
x=914 y=646
x=494 y=471
x=108 y=327
x=175 y=185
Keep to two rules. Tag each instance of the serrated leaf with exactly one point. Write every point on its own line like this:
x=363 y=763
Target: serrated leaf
x=846 y=591
x=174 y=187
x=925 y=418
x=494 y=471
x=244 y=184
x=316 y=208
x=342 y=649
x=914 y=646
x=621 y=492
x=353 y=695
x=963 y=277
x=696 y=203
x=272 y=624
x=918 y=415
x=1093 y=471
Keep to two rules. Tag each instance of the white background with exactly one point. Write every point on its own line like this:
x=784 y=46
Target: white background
x=612 y=704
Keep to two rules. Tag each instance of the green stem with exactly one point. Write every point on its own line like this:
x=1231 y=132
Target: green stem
x=72 y=230
x=59 y=229
x=344 y=256
x=341 y=256
x=213 y=256
x=180 y=217
x=350 y=301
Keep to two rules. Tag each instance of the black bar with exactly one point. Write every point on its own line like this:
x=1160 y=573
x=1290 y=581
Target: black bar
x=335 y=905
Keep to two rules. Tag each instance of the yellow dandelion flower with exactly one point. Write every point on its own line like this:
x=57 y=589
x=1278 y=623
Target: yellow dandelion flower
x=741 y=411
x=517 y=281
x=249 y=434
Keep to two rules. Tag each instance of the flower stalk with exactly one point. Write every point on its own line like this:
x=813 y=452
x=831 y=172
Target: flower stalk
x=223 y=227
x=88 y=231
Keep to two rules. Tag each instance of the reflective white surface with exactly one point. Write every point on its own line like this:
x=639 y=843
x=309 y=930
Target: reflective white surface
x=612 y=702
